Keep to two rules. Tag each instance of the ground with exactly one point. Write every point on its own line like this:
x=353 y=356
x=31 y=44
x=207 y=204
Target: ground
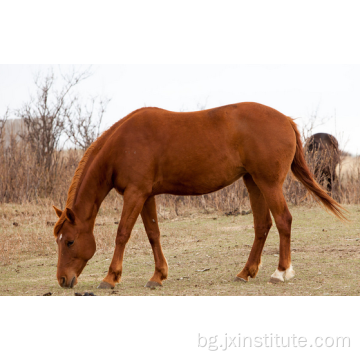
x=204 y=253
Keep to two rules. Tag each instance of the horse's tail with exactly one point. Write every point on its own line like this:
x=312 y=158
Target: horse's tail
x=303 y=174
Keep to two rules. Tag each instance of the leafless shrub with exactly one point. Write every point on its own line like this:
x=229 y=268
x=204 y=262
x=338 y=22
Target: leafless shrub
x=33 y=161
x=46 y=114
x=313 y=121
x=23 y=179
x=83 y=124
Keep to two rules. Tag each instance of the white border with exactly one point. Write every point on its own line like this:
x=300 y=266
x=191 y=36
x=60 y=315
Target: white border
x=185 y=32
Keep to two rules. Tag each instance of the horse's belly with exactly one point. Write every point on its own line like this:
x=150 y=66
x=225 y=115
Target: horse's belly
x=197 y=183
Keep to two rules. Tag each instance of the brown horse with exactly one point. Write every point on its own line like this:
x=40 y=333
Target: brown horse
x=322 y=150
x=153 y=151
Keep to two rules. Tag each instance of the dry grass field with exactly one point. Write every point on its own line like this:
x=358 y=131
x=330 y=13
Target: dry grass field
x=325 y=254
x=350 y=166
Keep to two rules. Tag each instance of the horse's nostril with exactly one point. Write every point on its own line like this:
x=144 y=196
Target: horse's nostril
x=62 y=281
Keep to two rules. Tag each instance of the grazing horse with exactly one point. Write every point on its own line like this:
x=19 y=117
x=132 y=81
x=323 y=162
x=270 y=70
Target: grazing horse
x=153 y=151
x=323 y=151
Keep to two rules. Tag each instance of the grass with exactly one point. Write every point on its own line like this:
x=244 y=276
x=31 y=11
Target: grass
x=325 y=254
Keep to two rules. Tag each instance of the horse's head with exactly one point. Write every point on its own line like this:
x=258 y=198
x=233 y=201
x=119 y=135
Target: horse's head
x=76 y=246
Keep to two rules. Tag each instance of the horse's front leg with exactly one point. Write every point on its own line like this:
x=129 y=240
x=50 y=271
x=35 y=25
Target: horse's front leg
x=133 y=203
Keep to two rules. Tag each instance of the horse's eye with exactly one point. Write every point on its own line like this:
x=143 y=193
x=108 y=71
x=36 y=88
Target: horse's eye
x=69 y=243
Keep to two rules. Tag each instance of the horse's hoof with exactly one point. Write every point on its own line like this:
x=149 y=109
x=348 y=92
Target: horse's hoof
x=105 y=285
x=152 y=284
x=274 y=280
x=239 y=279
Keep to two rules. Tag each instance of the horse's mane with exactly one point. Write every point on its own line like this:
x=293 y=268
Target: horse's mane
x=89 y=155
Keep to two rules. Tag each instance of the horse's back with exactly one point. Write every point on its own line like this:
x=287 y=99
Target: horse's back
x=202 y=151
x=321 y=140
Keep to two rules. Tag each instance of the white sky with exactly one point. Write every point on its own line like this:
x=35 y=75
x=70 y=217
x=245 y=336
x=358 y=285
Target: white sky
x=295 y=90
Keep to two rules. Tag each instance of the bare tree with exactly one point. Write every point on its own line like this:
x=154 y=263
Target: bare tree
x=83 y=124
x=313 y=121
x=45 y=115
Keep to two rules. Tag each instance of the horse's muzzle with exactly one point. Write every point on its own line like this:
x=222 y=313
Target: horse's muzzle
x=65 y=284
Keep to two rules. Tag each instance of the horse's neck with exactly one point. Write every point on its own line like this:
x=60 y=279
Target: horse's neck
x=91 y=192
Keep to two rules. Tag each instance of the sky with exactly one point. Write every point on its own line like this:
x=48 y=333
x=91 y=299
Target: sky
x=331 y=91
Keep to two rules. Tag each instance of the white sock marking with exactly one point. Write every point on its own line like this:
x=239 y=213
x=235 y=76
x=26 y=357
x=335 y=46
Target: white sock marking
x=284 y=275
x=278 y=275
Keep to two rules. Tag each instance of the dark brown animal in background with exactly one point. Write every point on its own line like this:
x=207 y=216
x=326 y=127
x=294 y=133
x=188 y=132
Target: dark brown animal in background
x=322 y=150
x=153 y=151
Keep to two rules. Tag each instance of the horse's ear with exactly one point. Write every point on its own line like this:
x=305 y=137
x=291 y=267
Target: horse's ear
x=70 y=216
x=58 y=211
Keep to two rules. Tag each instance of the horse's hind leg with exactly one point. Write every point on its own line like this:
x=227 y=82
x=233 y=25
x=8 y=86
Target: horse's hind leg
x=133 y=204
x=275 y=199
x=150 y=221
x=262 y=225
